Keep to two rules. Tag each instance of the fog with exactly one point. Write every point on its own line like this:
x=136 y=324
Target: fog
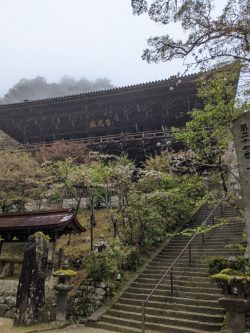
x=80 y=38
x=39 y=88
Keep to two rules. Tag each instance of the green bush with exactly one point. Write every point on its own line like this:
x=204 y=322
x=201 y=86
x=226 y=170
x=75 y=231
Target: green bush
x=231 y=274
x=143 y=224
x=132 y=259
x=106 y=265
x=217 y=264
x=233 y=281
x=100 y=268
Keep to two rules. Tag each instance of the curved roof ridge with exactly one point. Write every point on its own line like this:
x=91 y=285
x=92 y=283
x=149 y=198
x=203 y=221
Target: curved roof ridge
x=136 y=85
x=39 y=212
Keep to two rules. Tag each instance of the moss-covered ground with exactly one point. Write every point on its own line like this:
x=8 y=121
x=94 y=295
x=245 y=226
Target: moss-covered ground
x=6 y=326
x=77 y=245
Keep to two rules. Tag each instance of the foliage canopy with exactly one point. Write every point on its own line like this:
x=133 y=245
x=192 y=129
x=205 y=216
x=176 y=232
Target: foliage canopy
x=209 y=37
x=209 y=131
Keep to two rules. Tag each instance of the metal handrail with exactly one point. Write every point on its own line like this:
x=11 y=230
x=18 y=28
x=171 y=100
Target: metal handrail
x=170 y=269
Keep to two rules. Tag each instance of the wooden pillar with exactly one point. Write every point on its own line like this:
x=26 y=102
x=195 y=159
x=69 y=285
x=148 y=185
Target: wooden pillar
x=1 y=268
x=1 y=246
x=11 y=269
x=54 y=246
x=61 y=258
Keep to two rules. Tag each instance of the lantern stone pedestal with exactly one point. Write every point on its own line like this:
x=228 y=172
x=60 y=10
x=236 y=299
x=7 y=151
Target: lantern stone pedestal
x=62 y=297
x=63 y=288
x=236 y=308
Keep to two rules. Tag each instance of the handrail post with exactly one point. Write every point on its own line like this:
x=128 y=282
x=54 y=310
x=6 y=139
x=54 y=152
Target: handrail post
x=170 y=270
x=171 y=283
x=143 y=317
x=189 y=254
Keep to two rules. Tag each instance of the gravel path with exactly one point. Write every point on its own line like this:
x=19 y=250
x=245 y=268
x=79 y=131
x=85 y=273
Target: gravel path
x=78 y=329
x=6 y=327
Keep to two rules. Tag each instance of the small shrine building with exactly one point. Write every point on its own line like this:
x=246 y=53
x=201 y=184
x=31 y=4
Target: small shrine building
x=15 y=228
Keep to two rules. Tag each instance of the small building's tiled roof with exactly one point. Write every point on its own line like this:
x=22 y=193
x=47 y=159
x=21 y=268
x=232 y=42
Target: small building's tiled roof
x=41 y=220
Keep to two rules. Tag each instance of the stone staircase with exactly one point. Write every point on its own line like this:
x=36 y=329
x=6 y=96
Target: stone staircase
x=194 y=307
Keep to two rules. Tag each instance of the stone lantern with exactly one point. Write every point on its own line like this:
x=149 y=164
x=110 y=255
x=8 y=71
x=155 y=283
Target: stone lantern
x=234 y=301
x=63 y=288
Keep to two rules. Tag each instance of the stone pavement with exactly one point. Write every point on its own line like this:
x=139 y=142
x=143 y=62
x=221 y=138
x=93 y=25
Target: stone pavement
x=78 y=329
x=6 y=327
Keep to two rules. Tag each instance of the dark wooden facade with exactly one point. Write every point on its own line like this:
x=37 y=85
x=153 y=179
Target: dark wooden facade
x=139 y=108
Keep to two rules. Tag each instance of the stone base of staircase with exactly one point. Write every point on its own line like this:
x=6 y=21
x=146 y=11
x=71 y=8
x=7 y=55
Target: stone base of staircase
x=194 y=307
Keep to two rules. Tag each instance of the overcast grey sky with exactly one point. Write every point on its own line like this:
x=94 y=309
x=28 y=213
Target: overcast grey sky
x=79 y=38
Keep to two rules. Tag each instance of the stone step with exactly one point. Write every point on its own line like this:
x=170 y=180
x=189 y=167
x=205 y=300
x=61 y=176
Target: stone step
x=114 y=327
x=195 y=255
x=178 y=291
x=190 y=277
x=190 y=298
x=229 y=238
x=231 y=225
x=178 y=281
x=213 y=240
x=195 y=259
x=209 y=243
x=209 y=240
x=155 y=321
x=177 y=268
x=177 y=285
x=228 y=227
x=229 y=230
x=198 y=239
x=136 y=314
x=174 y=306
x=194 y=307
x=198 y=252
x=182 y=259
x=201 y=250
x=184 y=265
x=158 y=306
x=187 y=274
x=126 y=329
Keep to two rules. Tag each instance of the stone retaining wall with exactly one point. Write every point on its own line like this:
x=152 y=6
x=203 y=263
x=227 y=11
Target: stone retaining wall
x=86 y=299
x=8 y=291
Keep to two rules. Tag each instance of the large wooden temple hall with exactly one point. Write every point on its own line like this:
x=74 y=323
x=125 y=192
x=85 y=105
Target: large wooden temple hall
x=114 y=120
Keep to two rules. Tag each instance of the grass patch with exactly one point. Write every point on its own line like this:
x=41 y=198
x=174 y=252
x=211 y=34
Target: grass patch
x=79 y=244
x=6 y=326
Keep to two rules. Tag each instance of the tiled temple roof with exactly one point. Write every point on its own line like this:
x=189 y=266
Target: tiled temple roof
x=171 y=81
